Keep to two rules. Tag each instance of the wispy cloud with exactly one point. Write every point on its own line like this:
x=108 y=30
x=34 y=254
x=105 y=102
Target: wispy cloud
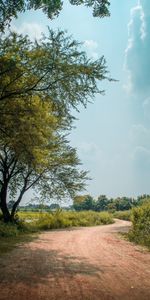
x=140 y=136
x=33 y=30
x=90 y=44
x=137 y=58
x=140 y=153
x=91 y=47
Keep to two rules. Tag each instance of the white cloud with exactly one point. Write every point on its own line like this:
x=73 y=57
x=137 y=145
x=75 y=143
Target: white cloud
x=91 y=47
x=137 y=58
x=33 y=30
x=90 y=44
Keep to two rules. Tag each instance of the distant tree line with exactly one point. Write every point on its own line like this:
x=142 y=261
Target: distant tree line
x=87 y=202
x=37 y=207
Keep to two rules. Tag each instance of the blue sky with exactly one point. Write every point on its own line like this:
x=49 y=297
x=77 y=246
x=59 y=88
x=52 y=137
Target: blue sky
x=112 y=135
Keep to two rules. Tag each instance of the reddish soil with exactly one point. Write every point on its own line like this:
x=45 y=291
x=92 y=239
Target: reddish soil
x=85 y=263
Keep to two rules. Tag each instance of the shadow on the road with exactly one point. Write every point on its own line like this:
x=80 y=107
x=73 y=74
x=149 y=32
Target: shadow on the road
x=119 y=229
x=116 y=227
x=36 y=266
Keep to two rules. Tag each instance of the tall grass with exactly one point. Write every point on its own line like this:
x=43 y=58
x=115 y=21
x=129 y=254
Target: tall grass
x=8 y=230
x=62 y=219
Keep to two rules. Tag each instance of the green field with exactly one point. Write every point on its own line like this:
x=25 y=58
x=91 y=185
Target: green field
x=63 y=219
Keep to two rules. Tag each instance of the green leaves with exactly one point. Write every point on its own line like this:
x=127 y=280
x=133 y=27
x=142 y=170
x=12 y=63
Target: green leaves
x=26 y=126
x=54 y=69
x=100 y=7
x=10 y=8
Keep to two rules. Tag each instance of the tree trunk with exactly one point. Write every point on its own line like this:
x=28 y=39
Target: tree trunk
x=13 y=211
x=3 y=204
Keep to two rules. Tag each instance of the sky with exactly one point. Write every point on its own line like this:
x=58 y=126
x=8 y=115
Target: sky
x=112 y=135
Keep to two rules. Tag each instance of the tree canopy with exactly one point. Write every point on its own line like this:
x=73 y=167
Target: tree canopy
x=54 y=68
x=43 y=82
x=10 y=8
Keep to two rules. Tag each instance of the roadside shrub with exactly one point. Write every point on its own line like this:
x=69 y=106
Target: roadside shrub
x=72 y=219
x=8 y=230
x=52 y=221
x=140 y=232
x=122 y=215
x=16 y=229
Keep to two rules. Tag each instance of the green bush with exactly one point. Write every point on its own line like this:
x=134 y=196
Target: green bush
x=140 y=232
x=51 y=221
x=14 y=230
x=72 y=219
x=123 y=215
x=8 y=230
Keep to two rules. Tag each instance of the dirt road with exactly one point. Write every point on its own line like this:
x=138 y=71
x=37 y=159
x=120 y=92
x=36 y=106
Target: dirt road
x=84 y=263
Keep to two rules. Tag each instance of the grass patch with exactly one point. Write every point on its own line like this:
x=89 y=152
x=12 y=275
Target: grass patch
x=30 y=215
x=61 y=219
x=11 y=235
x=64 y=219
x=123 y=215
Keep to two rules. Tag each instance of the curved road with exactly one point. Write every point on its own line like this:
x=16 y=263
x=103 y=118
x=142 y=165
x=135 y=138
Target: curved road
x=77 y=264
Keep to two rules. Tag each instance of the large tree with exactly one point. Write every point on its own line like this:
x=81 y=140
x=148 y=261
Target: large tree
x=41 y=83
x=10 y=8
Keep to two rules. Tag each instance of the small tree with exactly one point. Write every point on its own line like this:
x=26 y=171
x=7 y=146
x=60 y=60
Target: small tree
x=54 y=206
x=101 y=203
x=84 y=202
x=123 y=203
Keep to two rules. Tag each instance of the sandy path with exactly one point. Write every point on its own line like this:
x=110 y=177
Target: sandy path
x=83 y=263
